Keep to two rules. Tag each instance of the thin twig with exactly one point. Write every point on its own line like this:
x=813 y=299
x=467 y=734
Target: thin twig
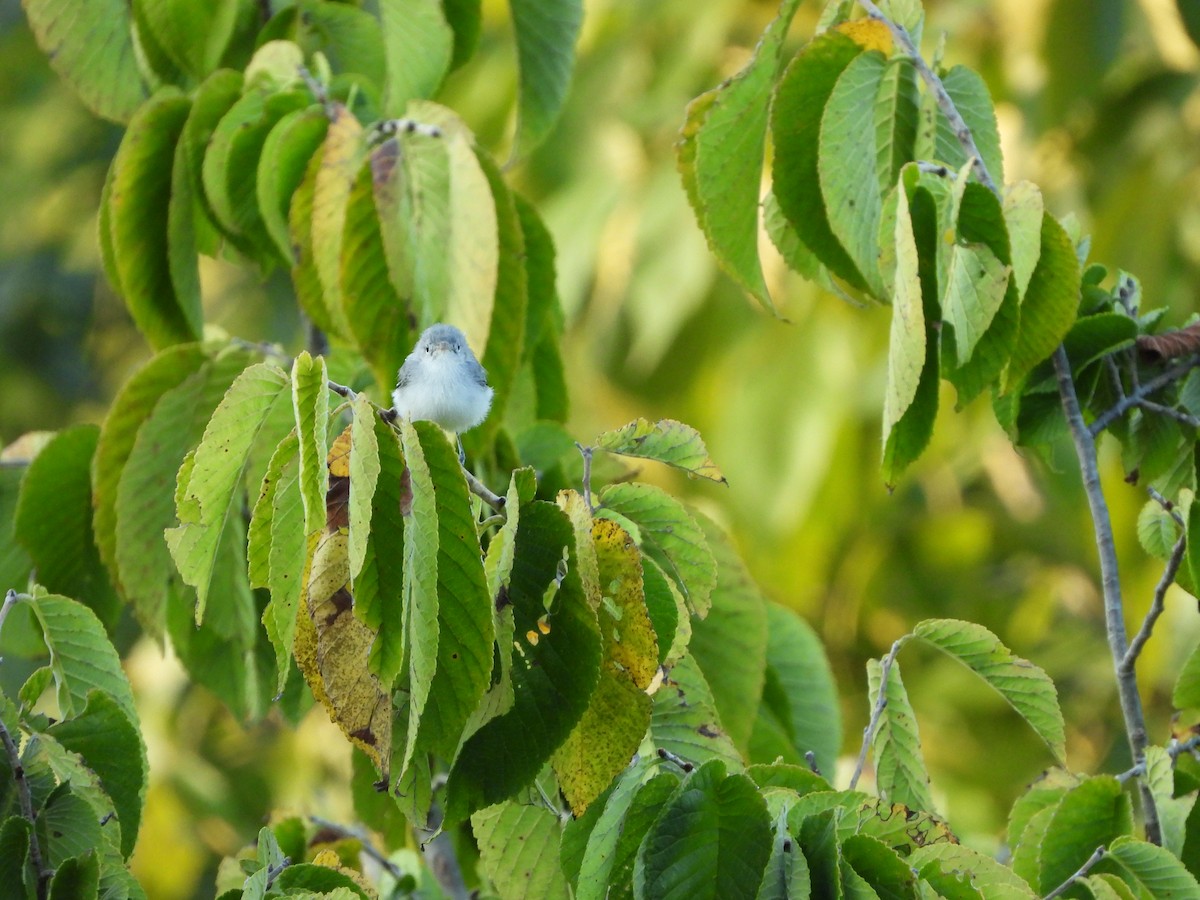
x=1166 y=504
x=1079 y=873
x=1141 y=392
x=1114 y=374
x=10 y=600
x=1177 y=414
x=957 y=124
x=1131 y=702
x=811 y=759
x=276 y=870
x=26 y=799
x=1129 y=660
x=1176 y=748
x=364 y=840
x=1135 y=772
x=441 y=858
x=664 y=753
x=320 y=94
x=885 y=670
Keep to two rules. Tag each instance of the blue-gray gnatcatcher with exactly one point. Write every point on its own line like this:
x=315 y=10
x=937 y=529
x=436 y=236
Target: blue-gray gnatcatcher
x=443 y=382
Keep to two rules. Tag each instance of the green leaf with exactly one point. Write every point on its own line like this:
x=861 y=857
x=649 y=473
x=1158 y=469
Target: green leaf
x=78 y=878
x=165 y=309
x=667 y=441
x=364 y=476
x=976 y=286
x=1094 y=337
x=81 y=657
x=1026 y=687
x=1152 y=871
x=799 y=102
x=231 y=165
x=1157 y=530
x=211 y=101
x=1187 y=688
x=552 y=678
x=310 y=400
x=377 y=315
x=15 y=868
x=1094 y=813
x=606 y=822
x=341 y=158
x=464 y=618
x=846 y=165
x=53 y=521
x=668 y=534
x=954 y=860
x=92 y=48
x=546 y=33
x=418 y=44
x=349 y=37
x=796 y=661
x=970 y=96
x=730 y=644
x=711 y=840
x=786 y=874
x=684 y=718
x=510 y=309
x=111 y=745
x=518 y=850
x=1023 y=214
x=130 y=409
x=379 y=588
x=896 y=745
x=910 y=434
x=210 y=494
x=145 y=504
x=896 y=111
x=1173 y=811
x=280 y=514
x=421 y=596
x=466 y=19
x=310 y=294
x=1049 y=306
x=643 y=812
x=878 y=865
x=720 y=156
x=289 y=147
x=194 y=36
x=906 y=344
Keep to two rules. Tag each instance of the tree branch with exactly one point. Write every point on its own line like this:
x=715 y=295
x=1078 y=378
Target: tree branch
x=1141 y=392
x=1079 y=873
x=1129 y=660
x=885 y=670
x=26 y=799
x=1170 y=413
x=364 y=839
x=441 y=858
x=957 y=124
x=1131 y=702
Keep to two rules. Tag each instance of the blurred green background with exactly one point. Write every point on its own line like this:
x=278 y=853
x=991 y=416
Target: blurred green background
x=1098 y=103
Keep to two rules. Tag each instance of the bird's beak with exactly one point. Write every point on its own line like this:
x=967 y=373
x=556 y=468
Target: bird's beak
x=441 y=346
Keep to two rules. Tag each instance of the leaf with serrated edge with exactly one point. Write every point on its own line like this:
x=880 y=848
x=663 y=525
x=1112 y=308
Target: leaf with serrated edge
x=1023 y=211
x=1173 y=811
x=668 y=534
x=975 y=288
x=364 y=474
x=518 y=849
x=1148 y=868
x=720 y=156
x=92 y=48
x=310 y=400
x=546 y=34
x=341 y=157
x=217 y=474
x=896 y=745
x=1026 y=687
x=684 y=718
x=906 y=346
x=418 y=44
x=667 y=441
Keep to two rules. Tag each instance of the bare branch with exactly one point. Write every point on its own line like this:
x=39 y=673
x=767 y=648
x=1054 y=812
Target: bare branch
x=586 y=453
x=1078 y=873
x=1141 y=392
x=364 y=839
x=1129 y=660
x=1131 y=703
x=1171 y=413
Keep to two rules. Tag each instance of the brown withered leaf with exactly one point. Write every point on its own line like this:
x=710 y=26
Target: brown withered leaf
x=333 y=645
x=1170 y=344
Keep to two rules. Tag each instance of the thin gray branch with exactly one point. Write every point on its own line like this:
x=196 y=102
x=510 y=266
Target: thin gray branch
x=26 y=799
x=275 y=871
x=1078 y=873
x=1166 y=504
x=364 y=839
x=1171 y=413
x=1129 y=660
x=1131 y=703
x=1142 y=392
x=586 y=453
x=441 y=858
x=1176 y=749
x=957 y=124
x=885 y=670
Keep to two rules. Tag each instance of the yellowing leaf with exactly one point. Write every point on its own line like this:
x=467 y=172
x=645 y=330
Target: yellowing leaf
x=870 y=34
x=667 y=441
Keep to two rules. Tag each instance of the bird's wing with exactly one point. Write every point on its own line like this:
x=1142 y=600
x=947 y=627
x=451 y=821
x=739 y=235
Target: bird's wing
x=478 y=373
x=407 y=371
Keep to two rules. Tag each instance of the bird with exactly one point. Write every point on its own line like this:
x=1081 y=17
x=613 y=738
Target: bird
x=441 y=381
